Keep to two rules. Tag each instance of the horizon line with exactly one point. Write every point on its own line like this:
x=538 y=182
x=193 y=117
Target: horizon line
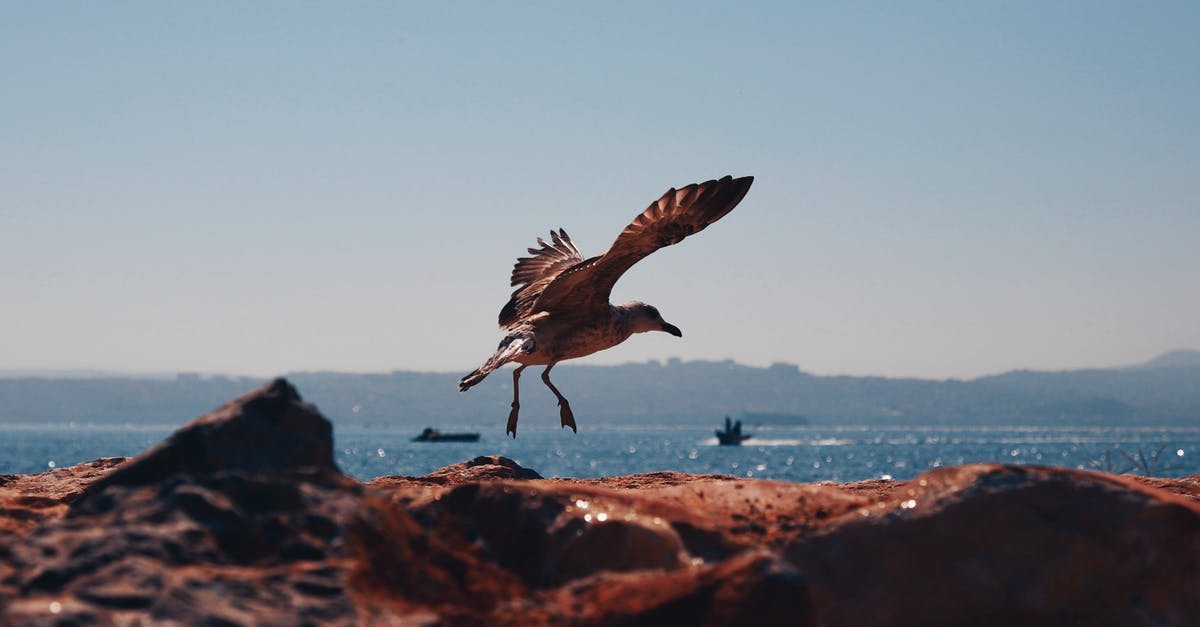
x=102 y=373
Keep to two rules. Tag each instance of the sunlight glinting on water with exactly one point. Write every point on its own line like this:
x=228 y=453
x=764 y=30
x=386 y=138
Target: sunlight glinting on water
x=809 y=453
x=789 y=454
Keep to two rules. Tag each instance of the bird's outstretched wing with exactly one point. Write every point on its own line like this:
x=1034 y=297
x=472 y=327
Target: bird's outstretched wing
x=585 y=286
x=531 y=275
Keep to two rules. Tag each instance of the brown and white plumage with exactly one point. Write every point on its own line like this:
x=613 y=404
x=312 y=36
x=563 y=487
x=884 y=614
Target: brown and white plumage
x=560 y=309
x=531 y=275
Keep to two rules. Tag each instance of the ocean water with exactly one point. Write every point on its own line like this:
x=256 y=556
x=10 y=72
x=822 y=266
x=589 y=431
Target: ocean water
x=799 y=454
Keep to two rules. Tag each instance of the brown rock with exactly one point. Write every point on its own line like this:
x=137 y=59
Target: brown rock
x=549 y=535
x=482 y=468
x=217 y=548
x=26 y=500
x=400 y=565
x=267 y=430
x=1187 y=487
x=242 y=518
x=751 y=589
x=992 y=544
x=238 y=518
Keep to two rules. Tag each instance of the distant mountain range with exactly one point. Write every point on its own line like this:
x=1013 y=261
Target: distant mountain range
x=1172 y=359
x=1162 y=391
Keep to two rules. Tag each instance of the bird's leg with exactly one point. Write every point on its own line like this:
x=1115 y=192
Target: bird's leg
x=564 y=413
x=516 y=404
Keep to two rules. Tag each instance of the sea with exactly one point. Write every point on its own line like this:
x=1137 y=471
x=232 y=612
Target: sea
x=791 y=453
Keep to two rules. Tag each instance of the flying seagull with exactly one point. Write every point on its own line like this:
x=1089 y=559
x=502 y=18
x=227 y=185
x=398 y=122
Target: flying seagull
x=560 y=309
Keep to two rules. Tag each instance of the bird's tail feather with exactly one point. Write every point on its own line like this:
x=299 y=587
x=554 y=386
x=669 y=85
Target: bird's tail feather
x=508 y=349
x=477 y=375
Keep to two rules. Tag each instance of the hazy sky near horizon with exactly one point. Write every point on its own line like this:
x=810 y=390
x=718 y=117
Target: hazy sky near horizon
x=943 y=189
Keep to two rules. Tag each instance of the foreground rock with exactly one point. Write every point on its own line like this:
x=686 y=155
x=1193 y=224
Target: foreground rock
x=242 y=517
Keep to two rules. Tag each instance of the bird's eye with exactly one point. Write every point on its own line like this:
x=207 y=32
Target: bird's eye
x=654 y=312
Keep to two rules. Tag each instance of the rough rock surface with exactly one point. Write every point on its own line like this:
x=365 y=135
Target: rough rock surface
x=267 y=430
x=241 y=517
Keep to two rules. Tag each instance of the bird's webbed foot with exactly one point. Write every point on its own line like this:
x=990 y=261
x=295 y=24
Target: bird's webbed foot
x=565 y=414
x=511 y=429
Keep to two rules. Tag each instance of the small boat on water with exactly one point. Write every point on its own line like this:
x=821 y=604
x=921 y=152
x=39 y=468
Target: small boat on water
x=732 y=435
x=433 y=435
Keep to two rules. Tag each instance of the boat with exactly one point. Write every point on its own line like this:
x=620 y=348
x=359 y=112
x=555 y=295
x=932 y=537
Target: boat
x=732 y=434
x=433 y=435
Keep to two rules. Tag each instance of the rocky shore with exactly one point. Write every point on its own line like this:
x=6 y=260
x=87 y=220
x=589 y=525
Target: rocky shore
x=242 y=517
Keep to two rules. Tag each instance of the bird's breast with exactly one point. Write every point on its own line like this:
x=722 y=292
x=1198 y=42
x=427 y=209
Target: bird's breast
x=558 y=340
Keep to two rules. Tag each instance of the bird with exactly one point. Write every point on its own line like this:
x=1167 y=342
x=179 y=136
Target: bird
x=560 y=308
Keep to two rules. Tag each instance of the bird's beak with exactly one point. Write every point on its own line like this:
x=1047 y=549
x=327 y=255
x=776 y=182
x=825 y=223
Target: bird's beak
x=672 y=329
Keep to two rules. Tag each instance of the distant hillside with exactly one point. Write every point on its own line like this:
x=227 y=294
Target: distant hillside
x=1173 y=359
x=697 y=392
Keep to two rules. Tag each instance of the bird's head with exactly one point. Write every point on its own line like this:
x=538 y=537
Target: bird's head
x=643 y=317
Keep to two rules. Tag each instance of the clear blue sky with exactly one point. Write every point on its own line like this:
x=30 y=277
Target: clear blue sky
x=943 y=189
